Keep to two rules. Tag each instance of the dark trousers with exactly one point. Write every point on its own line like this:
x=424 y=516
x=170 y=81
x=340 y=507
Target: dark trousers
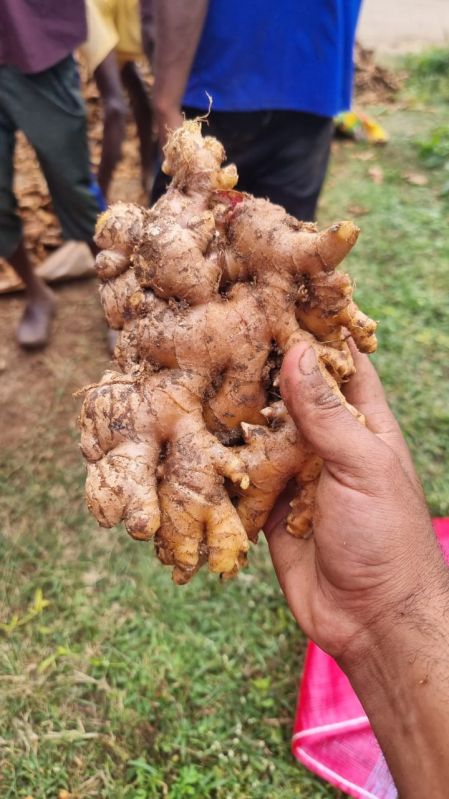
x=281 y=155
x=48 y=108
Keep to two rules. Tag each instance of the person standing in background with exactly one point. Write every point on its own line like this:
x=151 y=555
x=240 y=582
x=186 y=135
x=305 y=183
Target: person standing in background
x=276 y=73
x=40 y=95
x=118 y=35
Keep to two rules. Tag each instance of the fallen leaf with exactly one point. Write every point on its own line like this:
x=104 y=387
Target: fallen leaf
x=416 y=178
x=92 y=577
x=366 y=155
x=376 y=174
x=358 y=210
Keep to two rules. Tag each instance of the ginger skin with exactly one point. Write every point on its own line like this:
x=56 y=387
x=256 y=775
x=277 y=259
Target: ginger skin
x=208 y=288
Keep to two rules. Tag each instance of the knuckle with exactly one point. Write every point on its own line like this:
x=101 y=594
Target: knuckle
x=326 y=400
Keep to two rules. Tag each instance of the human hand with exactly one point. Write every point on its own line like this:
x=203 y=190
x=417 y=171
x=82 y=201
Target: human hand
x=167 y=118
x=373 y=554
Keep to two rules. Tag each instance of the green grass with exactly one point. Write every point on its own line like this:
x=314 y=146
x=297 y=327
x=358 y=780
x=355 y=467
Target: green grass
x=401 y=270
x=428 y=76
x=428 y=87
x=114 y=683
x=124 y=685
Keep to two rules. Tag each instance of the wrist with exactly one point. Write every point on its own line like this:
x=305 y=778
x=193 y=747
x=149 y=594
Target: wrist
x=409 y=602
x=163 y=107
x=401 y=677
x=414 y=618
x=167 y=117
x=165 y=102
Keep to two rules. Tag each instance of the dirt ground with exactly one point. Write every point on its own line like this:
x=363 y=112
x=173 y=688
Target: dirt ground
x=35 y=387
x=32 y=383
x=393 y=26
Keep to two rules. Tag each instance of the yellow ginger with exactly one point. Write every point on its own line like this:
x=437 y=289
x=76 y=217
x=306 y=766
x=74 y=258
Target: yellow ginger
x=188 y=443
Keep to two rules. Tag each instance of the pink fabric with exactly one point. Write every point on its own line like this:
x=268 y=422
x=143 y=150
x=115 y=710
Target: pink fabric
x=332 y=735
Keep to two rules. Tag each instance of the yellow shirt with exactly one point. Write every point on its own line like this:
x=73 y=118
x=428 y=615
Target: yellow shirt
x=112 y=25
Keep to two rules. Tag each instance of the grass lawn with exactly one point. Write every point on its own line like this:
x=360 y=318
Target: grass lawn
x=113 y=682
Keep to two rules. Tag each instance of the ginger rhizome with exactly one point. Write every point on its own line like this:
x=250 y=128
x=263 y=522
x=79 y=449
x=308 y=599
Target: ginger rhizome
x=187 y=441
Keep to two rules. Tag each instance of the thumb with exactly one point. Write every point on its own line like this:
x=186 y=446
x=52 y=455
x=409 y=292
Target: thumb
x=321 y=417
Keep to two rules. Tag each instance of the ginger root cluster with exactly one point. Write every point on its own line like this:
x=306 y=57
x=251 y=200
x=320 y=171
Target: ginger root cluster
x=187 y=442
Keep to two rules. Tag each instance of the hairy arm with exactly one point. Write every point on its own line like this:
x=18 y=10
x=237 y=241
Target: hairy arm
x=178 y=27
x=402 y=680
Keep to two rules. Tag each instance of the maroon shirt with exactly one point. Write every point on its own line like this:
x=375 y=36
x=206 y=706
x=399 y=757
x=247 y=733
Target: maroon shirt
x=36 y=34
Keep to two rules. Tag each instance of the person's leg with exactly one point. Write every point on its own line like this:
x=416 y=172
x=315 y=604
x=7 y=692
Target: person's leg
x=34 y=328
x=293 y=155
x=50 y=111
x=142 y=111
x=107 y=78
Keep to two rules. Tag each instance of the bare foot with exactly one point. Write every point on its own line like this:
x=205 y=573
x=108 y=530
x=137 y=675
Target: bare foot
x=34 y=329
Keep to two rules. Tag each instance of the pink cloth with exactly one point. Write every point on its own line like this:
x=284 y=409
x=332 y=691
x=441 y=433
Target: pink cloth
x=332 y=735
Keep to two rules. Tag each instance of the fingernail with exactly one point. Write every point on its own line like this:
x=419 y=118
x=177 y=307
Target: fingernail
x=308 y=361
